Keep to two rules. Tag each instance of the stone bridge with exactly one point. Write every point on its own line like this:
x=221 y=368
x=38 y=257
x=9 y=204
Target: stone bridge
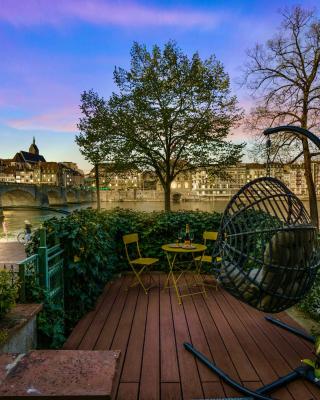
x=20 y=194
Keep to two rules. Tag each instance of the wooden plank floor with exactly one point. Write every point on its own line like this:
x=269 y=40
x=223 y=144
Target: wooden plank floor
x=150 y=331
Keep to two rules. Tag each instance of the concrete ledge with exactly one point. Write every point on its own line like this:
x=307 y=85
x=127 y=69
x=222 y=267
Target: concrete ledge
x=20 y=326
x=58 y=374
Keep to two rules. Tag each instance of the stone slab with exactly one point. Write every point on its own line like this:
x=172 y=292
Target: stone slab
x=58 y=374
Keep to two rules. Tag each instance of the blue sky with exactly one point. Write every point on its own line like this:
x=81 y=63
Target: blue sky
x=53 y=50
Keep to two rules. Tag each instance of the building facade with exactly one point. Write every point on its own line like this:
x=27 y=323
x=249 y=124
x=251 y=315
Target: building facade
x=199 y=185
x=30 y=167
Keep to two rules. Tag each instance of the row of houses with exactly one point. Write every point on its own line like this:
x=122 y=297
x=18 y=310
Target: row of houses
x=30 y=167
x=242 y=173
x=199 y=184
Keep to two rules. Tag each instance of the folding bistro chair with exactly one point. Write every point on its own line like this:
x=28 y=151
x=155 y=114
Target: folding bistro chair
x=140 y=262
x=205 y=258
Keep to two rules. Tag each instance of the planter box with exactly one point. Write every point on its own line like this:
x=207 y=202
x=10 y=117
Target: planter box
x=20 y=324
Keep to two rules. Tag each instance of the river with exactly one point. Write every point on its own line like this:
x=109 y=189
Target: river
x=15 y=218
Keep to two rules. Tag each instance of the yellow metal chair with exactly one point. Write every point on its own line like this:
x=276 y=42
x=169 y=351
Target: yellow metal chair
x=141 y=262
x=204 y=258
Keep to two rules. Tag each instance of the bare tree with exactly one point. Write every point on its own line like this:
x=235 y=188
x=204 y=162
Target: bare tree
x=284 y=77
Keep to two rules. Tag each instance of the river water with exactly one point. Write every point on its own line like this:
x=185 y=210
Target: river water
x=15 y=218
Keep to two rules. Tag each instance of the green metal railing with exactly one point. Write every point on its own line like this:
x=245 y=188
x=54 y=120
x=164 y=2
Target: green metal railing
x=47 y=269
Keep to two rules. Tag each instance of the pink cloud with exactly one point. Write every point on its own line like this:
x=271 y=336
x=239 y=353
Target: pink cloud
x=61 y=120
x=41 y=12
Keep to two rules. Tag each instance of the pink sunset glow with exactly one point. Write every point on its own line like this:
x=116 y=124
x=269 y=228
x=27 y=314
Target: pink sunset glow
x=61 y=120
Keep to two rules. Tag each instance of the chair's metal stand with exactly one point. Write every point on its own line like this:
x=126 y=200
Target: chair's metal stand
x=304 y=372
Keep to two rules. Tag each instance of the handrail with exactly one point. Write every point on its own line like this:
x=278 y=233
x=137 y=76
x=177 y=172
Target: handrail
x=28 y=259
x=58 y=253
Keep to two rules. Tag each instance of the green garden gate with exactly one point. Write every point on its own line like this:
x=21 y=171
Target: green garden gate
x=46 y=267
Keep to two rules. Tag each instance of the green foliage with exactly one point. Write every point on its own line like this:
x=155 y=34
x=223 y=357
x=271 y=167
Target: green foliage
x=88 y=258
x=311 y=303
x=8 y=292
x=155 y=229
x=315 y=364
x=3 y=336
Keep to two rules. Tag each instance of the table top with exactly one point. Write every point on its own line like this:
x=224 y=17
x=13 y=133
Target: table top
x=181 y=249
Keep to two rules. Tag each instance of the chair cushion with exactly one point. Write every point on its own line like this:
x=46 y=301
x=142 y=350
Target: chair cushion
x=145 y=261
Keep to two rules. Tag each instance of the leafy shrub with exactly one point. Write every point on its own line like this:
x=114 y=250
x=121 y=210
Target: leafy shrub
x=311 y=303
x=88 y=259
x=8 y=292
x=155 y=229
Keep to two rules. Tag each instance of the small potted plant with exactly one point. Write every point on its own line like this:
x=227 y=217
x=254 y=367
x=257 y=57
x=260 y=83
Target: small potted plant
x=315 y=364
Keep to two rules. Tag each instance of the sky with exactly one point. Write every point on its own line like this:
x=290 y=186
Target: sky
x=53 y=50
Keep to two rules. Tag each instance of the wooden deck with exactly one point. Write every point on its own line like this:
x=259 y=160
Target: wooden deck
x=150 y=331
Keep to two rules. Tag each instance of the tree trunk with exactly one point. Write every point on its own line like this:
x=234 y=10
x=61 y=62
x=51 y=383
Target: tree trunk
x=310 y=183
x=308 y=167
x=96 y=173
x=167 y=196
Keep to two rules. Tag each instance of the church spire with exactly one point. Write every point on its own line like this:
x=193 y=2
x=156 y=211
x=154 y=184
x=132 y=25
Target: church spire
x=34 y=148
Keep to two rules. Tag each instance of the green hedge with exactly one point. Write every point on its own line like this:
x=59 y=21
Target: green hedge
x=155 y=229
x=94 y=252
x=311 y=303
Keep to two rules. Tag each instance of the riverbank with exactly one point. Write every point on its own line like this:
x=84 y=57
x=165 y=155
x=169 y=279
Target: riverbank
x=11 y=252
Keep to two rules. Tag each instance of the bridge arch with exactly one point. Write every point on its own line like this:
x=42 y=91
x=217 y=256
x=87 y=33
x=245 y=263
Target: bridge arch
x=13 y=197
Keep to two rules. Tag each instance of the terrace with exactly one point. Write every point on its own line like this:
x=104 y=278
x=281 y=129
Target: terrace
x=150 y=332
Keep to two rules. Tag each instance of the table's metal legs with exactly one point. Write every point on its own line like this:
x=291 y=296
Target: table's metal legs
x=175 y=279
x=171 y=275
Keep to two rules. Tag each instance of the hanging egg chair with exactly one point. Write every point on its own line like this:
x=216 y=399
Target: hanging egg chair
x=269 y=258
x=269 y=247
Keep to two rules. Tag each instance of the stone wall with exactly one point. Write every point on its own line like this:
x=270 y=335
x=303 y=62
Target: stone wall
x=20 y=326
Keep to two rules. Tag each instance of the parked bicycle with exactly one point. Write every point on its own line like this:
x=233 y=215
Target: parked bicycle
x=24 y=236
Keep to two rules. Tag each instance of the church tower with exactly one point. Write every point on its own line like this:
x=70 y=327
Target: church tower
x=33 y=149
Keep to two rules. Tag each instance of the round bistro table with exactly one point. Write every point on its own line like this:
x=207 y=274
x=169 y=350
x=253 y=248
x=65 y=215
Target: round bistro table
x=172 y=251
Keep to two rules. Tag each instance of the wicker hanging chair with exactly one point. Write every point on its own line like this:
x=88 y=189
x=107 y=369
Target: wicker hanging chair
x=269 y=248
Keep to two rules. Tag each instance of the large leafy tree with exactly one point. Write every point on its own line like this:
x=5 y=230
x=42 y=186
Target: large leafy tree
x=284 y=76
x=171 y=115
